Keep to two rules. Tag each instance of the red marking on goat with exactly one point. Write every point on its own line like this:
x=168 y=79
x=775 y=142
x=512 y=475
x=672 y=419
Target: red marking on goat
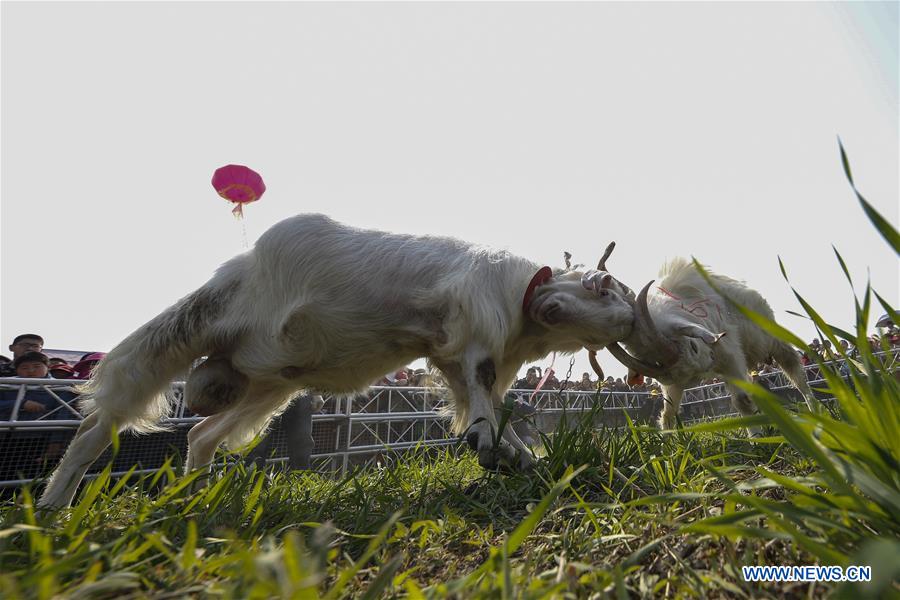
x=697 y=308
x=667 y=292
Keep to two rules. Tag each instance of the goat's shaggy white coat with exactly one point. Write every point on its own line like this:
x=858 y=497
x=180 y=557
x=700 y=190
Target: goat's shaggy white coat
x=316 y=304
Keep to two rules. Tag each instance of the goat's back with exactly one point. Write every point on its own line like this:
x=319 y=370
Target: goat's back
x=681 y=277
x=368 y=277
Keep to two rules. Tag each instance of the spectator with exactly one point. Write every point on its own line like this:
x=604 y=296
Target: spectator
x=85 y=366
x=421 y=378
x=61 y=370
x=552 y=382
x=874 y=343
x=530 y=381
x=649 y=384
x=827 y=352
x=401 y=377
x=33 y=365
x=586 y=385
x=816 y=346
x=27 y=342
x=620 y=386
x=30 y=365
x=849 y=350
x=894 y=334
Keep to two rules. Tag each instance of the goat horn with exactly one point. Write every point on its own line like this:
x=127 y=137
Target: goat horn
x=592 y=358
x=635 y=364
x=662 y=345
x=647 y=336
x=601 y=266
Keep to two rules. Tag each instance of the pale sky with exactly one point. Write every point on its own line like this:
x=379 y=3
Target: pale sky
x=705 y=129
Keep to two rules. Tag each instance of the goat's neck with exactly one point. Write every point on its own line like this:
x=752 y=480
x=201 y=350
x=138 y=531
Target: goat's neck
x=535 y=341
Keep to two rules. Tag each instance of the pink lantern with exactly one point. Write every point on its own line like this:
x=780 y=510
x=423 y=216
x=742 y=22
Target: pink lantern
x=238 y=184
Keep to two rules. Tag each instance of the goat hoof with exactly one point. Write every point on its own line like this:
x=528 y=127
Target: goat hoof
x=502 y=456
x=521 y=462
x=526 y=462
x=488 y=460
x=755 y=432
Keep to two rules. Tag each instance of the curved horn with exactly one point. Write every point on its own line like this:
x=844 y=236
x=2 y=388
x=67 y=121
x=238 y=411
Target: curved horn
x=601 y=266
x=635 y=364
x=592 y=358
x=646 y=335
x=643 y=320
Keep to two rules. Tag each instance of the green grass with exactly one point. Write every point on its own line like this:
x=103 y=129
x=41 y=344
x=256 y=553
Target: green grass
x=427 y=525
x=625 y=513
x=608 y=512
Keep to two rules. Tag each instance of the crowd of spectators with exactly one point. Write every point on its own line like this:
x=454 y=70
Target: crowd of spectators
x=29 y=362
x=408 y=377
x=36 y=402
x=889 y=337
x=534 y=375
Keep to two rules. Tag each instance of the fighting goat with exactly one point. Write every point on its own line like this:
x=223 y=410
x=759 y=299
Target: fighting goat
x=687 y=330
x=320 y=305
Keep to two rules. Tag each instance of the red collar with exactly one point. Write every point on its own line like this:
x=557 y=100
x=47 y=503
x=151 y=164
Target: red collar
x=541 y=277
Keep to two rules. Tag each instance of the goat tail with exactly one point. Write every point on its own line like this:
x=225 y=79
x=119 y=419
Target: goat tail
x=128 y=387
x=790 y=364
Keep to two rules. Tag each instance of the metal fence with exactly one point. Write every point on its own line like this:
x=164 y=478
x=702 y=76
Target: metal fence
x=347 y=431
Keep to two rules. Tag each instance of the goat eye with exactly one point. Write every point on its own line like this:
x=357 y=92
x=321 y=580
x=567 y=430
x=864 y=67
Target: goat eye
x=603 y=293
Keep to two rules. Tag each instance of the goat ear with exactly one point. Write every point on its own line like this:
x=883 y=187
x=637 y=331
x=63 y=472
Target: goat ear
x=696 y=331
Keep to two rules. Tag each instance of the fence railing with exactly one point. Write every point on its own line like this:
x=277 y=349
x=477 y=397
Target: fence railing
x=347 y=431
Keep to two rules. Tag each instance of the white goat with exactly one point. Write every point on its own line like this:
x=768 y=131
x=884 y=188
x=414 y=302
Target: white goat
x=686 y=331
x=316 y=304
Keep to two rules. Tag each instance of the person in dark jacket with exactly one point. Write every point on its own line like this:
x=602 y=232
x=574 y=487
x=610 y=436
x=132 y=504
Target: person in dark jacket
x=22 y=344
